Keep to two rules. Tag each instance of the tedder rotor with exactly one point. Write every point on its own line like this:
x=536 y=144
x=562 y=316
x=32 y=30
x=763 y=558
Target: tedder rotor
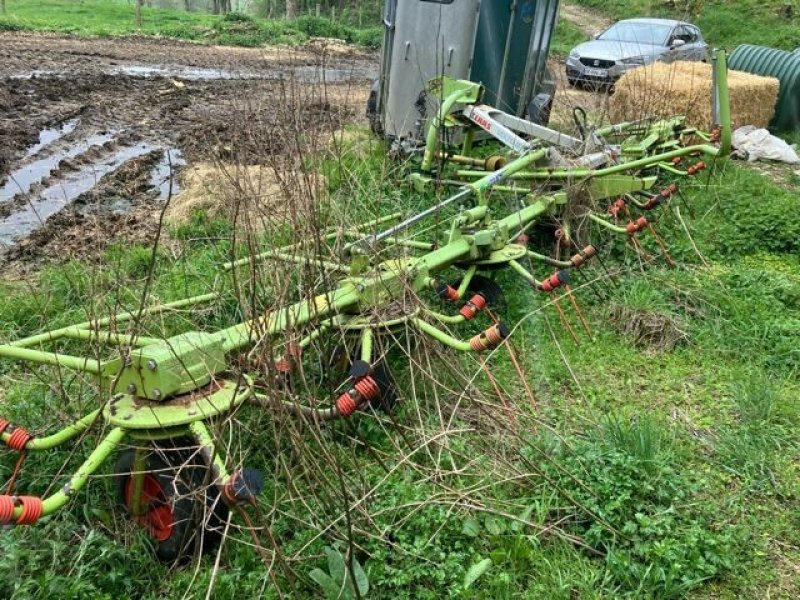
x=168 y=392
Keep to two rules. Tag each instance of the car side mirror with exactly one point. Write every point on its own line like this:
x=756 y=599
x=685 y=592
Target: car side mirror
x=596 y=35
x=677 y=43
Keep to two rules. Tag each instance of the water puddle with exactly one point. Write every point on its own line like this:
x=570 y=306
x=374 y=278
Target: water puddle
x=50 y=135
x=56 y=197
x=306 y=74
x=166 y=169
x=23 y=179
x=32 y=74
x=311 y=74
x=185 y=72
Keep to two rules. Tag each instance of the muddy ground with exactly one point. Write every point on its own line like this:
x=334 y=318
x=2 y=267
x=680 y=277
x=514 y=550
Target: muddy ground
x=91 y=130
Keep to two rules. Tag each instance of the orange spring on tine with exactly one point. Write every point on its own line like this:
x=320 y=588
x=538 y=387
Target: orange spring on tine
x=494 y=336
x=491 y=338
x=19 y=438
x=346 y=404
x=228 y=489
x=367 y=388
x=637 y=225
x=478 y=343
x=695 y=169
x=4 y=425
x=618 y=205
x=32 y=509
x=284 y=365
x=523 y=239
x=677 y=160
x=555 y=281
x=670 y=190
x=581 y=257
x=471 y=309
x=6 y=509
x=446 y=292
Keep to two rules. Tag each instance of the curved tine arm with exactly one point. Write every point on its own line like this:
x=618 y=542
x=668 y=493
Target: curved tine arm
x=606 y=224
x=322 y=414
x=60 y=499
x=64 y=435
x=441 y=336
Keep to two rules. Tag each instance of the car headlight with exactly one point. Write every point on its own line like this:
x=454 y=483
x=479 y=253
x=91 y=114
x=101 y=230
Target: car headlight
x=574 y=55
x=634 y=60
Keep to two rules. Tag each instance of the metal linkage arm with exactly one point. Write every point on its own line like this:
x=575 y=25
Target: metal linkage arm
x=502 y=126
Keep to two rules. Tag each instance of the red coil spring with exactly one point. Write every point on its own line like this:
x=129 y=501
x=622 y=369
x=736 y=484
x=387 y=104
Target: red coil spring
x=581 y=257
x=493 y=336
x=618 y=205
x=451 y=294
x=478 y=343
x=32 y=509
x=695 y=169
x=6 y=509
x=284 y=365
x=553 y=282
x=367 y=388
x=635 y=226
x=227 y=490
x=19 y=437
x=669 y=190
x=471 y=309
x=346 y=404
x=4 y=424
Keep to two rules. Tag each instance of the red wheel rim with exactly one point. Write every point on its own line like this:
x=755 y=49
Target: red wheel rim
x=157 y=516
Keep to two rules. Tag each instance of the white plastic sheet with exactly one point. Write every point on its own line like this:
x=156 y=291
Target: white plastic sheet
x=759 y=144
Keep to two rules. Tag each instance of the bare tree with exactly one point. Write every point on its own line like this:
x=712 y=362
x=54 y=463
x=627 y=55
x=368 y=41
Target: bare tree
x=291 y=9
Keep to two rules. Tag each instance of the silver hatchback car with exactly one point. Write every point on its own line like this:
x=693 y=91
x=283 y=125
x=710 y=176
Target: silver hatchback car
x=632 y=43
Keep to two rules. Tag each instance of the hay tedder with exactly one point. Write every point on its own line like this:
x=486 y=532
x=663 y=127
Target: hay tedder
x=391 y=279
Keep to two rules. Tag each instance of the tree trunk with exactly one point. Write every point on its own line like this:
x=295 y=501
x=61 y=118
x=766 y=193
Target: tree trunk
x=291 y=9
x=138 y=14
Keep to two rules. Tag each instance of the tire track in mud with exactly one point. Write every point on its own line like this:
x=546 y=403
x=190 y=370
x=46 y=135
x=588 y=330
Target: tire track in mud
x=93 y=130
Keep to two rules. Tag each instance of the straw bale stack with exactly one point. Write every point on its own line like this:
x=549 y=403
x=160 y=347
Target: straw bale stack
x=684 y=88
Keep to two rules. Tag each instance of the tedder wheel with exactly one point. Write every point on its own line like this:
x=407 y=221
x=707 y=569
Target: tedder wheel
x=178 y=503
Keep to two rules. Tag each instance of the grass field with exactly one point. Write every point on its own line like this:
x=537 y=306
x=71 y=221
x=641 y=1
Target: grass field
x=111 y=17
x=687 y=450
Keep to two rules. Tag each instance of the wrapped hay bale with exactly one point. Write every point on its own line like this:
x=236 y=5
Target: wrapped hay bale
x=664 y=90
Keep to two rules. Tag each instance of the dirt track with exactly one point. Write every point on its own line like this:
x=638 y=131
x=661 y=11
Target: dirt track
x=90 y=129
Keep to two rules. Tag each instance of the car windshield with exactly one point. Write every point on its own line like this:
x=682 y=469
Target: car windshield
x=640 y=33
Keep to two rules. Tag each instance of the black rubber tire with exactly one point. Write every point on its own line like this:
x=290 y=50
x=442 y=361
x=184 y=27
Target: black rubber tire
x=197 y=508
